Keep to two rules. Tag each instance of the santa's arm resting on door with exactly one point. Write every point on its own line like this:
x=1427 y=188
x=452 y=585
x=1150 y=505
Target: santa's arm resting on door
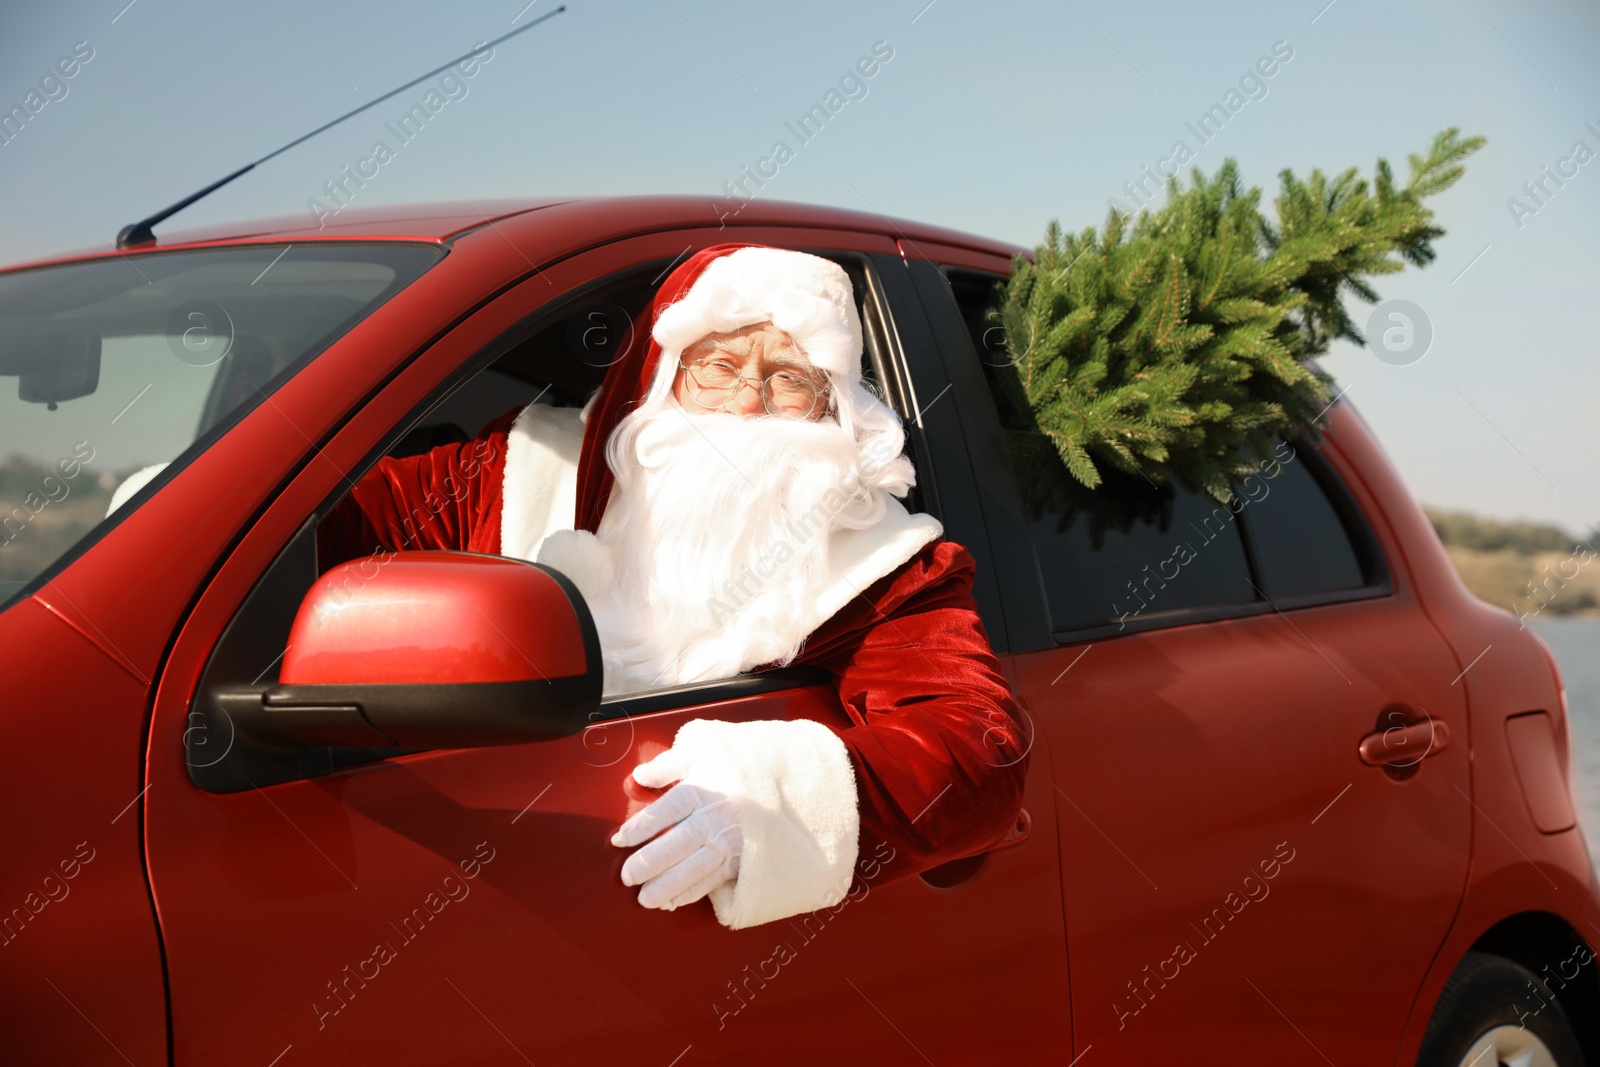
x=771 y=817
x=930 y=770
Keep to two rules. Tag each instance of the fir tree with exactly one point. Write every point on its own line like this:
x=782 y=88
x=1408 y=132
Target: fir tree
x=1177 y=345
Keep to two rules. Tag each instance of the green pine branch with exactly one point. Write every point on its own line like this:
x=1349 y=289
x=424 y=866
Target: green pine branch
x=1175 y=343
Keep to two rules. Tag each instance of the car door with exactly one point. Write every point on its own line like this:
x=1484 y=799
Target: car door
x=448 y=906
x=1239 y=881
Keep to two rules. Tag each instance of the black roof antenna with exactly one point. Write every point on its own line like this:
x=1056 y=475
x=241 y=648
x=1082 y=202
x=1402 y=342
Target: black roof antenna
x=139 y=233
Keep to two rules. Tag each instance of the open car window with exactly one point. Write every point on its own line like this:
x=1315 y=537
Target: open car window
x=558 y=356
x=127 y=368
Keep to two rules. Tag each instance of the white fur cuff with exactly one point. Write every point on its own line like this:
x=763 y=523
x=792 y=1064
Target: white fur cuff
x=794 y=792
x=540 y=485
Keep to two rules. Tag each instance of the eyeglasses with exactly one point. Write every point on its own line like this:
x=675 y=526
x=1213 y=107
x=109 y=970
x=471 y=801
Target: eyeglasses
x=714 y=382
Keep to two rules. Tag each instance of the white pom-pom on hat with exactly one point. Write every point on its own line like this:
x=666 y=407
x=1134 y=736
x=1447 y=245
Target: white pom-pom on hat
x=806 y=296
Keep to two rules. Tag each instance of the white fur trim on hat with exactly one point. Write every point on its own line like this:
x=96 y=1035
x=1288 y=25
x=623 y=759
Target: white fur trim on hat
x=793 y=790
x=806 y=296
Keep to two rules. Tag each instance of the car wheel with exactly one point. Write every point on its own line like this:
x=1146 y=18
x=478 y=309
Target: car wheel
x=1497 y=1013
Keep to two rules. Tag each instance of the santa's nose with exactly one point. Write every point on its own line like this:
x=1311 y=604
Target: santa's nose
x=747 y=399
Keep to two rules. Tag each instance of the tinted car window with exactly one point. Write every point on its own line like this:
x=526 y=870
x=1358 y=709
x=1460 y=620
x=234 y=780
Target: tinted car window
x=120 y=368
x=1132 y=550
x=1301 y=545
x=1126 y=549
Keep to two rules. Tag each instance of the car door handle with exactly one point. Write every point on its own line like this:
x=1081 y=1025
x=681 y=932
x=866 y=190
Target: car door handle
x=1404 y=746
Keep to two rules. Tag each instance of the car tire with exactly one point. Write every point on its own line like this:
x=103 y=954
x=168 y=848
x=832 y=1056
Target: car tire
x=1492 y=1003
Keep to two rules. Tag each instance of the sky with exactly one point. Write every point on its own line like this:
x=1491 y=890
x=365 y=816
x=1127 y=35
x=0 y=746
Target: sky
x=992 y=118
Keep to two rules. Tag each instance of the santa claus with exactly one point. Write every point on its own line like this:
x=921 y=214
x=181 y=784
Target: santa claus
x=727 y=502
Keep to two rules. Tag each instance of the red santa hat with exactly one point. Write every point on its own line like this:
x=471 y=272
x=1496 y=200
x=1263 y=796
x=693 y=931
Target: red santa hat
x=716 y=290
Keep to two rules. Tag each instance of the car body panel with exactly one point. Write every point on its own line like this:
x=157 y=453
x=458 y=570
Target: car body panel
x=1505 y=670
x=81 y=980
x=1216 y=918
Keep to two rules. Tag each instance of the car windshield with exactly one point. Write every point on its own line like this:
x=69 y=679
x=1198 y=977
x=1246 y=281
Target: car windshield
x=126 y=368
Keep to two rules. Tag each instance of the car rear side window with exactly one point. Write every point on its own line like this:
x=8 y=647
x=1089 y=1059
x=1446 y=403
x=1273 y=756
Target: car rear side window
x=1132 y=553
x=1301 y=545
x=1129 y=549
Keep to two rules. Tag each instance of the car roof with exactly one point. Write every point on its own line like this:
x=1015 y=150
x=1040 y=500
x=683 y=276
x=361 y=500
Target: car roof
x=441 y=222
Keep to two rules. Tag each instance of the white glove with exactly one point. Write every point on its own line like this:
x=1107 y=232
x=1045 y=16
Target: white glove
x=699 y=852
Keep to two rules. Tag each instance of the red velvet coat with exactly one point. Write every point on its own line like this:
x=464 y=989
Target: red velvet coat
x=936 y=740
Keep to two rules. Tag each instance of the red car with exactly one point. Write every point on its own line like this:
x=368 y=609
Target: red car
x=1294 y=795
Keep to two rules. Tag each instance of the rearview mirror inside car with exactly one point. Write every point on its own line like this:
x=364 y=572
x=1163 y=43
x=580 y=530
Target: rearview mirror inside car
x=53 y=365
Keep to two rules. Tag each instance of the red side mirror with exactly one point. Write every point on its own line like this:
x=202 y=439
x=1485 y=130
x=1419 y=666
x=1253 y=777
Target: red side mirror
x=433 y=650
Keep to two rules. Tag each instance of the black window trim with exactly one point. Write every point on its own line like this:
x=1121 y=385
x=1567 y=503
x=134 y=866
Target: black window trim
x=945 y=425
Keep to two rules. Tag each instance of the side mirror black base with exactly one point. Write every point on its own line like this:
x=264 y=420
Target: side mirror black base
x=419 y=715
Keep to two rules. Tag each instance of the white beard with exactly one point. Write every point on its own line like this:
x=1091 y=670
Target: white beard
x=717 y=534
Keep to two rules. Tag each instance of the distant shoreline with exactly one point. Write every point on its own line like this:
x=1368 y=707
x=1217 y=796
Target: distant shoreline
x=1530 y=570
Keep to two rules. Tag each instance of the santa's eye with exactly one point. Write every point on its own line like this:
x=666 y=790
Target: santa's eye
x=715 y=373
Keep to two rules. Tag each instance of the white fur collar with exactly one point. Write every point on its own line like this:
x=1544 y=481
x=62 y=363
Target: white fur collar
x=539 y=495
